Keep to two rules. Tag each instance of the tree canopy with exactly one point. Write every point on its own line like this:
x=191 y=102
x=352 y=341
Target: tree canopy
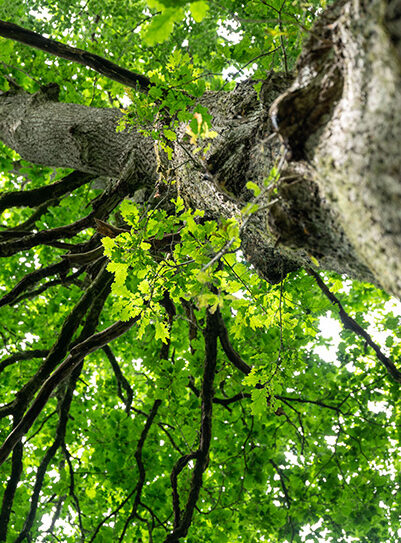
x=170 y=370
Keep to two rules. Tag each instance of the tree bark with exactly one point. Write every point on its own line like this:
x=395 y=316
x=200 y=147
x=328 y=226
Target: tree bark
x=342 y=118
x=338 y=124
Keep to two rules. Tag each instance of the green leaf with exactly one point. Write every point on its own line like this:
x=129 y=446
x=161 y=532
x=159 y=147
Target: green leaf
x=253 y=187
x=259 y=404
x=169 y=134
x=120 y=271
x=162 y=25
x=198 y=10
x=161 y=331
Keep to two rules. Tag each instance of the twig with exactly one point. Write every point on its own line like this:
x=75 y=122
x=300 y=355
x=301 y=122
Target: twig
x=352 y=325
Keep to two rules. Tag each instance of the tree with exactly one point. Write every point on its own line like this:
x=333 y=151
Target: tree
x=167 y=265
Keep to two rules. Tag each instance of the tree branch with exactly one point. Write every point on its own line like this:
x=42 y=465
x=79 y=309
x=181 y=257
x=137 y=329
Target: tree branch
x=9 y=493
x=95 y=62
x=32 y=278
x=36 y=197
x=202 y=453
x=141 y=481
x=26 y=355
x=232 y=355
x=352 y=325
x=141 y=468
x=102 y=206
x=77 y=354
x=64 y=409
x=122 y=382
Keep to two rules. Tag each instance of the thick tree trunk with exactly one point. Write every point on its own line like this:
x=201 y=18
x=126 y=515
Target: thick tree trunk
x=342 y=120
x=338 y=126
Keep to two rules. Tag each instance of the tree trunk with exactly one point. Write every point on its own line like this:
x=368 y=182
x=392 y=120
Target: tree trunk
x=342 y=118
x=337 y=203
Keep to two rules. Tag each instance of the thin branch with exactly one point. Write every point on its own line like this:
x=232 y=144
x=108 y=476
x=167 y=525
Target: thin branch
x=141 y=468
x=102 y=207
x=352 y=325
x=62 y=281
x=202 y=453
x=122 y=381
x=95 y=62
x=73 y=495
x=61 y=345
x=26 y=355
x=139 y=485
x=282 y=482
x=177 y=468
x=32 y=278
x=77 y=354
x=314 y=402
x=64 y=409
x=232 y=355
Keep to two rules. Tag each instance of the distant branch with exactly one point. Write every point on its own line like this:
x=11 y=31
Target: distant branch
x=352 y=325
x=202 y=453
x=232 y=355
x=95 y=62
x=282 y=482
x=78 y=353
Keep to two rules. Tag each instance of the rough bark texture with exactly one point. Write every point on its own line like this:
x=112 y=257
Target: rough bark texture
x=350 y=75
x=338 y=125
x=45 y=131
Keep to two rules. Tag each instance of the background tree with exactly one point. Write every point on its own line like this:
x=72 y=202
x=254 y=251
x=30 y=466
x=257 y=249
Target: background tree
x=176 y=197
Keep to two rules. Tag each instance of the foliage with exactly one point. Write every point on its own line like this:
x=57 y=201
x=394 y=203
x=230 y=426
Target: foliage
x=306 y=427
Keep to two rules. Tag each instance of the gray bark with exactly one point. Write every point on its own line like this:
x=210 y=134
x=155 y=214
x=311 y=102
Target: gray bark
x=345 y=127
x=338 y=125
x=47 y=132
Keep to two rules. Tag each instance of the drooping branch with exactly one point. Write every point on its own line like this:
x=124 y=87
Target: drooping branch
x=91 y=60
x=202 y=453
x=351 y=324
x=36 y=197
x=64 y=409
x=26 y=355
x=77 y=354
x=138 y=487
